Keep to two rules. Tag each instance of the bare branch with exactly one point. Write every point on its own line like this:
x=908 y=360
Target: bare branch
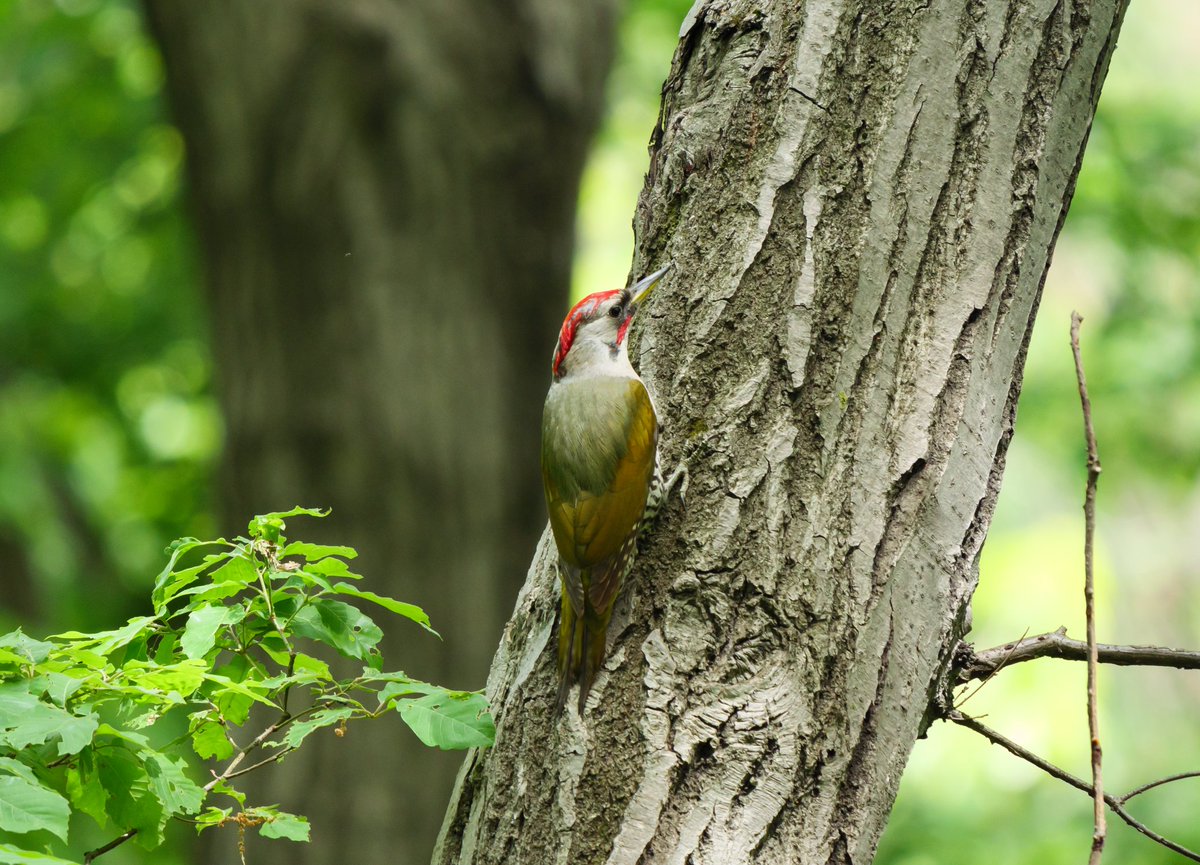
x=1100 y=829
x=1113 y=802
x=982 y=665
x=241 y=755
x=1137 y=791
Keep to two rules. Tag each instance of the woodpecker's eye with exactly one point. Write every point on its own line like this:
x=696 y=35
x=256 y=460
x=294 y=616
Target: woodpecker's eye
x=616 y=311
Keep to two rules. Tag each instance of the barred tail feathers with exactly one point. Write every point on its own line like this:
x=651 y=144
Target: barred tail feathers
x=588 y=598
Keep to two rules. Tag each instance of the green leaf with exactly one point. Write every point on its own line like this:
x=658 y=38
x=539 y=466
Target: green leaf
x=239 y=569
x=177 y=549
x=316 y=552
x=16 y=767
x=107 y=642
x=179 y=580
x=224 y=688
x=269 y=529
x=225 y=789
x=131 y=802
x=15 y=702
x=182 y=678
x=210 y=742
x=85 y=791
x=450 y=720
x=300 y=730
x=177 y=792
x=30 y=651
x=165 y=652
x=330 y=568
x=284 y=825
x=29 y=807
x=200 y=634
x=212 y=816
x=239 y=688
x=295 y=512
x=308 y=664
x=405 y=688
x=409 y=611
x=339 y=625
x=206 y=592
x=75 y=736
x=88 y=796
x=306 y=670
x=303 y=579
x=57 y=686
x=124 y=735
x=43 y=722
x=10 y=855
x=81 y=656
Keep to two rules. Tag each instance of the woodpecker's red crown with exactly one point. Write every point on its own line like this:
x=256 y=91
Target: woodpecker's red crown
x=619 y=304
x=585 y=310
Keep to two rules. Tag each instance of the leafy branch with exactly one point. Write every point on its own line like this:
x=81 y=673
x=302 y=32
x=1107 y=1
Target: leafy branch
x=90 y=723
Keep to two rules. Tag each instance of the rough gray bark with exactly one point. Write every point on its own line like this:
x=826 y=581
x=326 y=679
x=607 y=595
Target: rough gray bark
x=385 y=196
x=860 y=199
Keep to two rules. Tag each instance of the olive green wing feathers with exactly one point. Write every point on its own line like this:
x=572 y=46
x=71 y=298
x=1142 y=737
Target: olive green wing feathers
x=597 y=495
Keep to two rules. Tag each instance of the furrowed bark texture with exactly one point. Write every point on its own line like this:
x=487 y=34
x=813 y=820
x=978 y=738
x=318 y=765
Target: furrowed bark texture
x=385 y=192
x=860 y=199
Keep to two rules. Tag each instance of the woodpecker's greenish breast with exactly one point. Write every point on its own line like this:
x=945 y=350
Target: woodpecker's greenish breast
x=598 y=446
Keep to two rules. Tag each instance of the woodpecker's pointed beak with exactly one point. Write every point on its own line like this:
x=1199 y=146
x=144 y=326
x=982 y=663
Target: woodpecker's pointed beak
x=642 y=290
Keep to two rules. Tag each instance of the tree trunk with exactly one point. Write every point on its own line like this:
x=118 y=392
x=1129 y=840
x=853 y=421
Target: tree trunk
x=860 y=200
x=385 y=197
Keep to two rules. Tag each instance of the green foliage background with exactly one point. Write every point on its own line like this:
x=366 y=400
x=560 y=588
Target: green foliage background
x=109 y=432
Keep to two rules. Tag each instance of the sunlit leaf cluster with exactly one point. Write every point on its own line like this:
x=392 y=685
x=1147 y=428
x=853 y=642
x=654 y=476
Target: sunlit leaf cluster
x=226 y=671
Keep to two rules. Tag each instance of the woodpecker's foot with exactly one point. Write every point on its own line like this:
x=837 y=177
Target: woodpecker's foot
x=661 y=490
x=679 y=478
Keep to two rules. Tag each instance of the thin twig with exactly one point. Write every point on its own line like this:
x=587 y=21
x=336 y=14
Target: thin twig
x=111 y=845
x=278 y=755
x=995 y=669
x=1113 y=802
x=1089 y=598
x=1137 y=791
x=241 y=755
x=980 y=665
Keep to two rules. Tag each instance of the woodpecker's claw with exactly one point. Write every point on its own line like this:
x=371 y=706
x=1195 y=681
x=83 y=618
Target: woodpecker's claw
x=680 y=478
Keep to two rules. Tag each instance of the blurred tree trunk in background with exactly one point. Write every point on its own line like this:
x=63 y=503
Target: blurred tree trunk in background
x=385 y=196
x=860 y=200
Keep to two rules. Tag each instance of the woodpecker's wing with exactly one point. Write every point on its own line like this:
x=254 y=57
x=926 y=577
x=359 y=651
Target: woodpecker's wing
x=596 y=483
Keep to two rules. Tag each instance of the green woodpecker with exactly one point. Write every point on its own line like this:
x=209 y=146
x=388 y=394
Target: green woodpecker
x=600 y=471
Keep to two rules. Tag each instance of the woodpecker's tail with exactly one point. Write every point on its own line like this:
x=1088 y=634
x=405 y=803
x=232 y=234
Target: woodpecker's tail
x=570 y=650
x=581 y=643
